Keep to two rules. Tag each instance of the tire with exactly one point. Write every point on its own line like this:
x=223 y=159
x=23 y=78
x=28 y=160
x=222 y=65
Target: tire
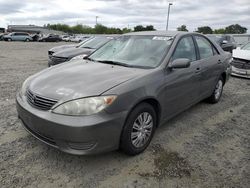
x=215 y=97
x=27 y=40
x=142 y=134
x=9 y=39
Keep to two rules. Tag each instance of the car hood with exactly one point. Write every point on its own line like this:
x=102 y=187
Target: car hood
x=72 y=52
x=80 y=78
x=241 y=54
x=59 y=48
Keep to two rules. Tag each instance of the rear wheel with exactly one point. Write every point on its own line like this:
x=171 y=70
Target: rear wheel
x=139 y=129
x=215 y=97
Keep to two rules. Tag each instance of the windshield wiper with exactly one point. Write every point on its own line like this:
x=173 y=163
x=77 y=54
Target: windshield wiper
x=114 y=63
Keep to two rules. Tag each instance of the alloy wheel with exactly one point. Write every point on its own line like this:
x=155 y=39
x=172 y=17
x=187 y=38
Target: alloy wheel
x=142 y=129
x=218 y=89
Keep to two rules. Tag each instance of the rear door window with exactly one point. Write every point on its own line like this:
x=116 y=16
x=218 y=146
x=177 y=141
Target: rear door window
x=205 y=47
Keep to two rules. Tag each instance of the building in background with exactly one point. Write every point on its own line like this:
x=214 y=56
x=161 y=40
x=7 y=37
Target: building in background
x=2 y=30
x=32 y=29
x=241 y=38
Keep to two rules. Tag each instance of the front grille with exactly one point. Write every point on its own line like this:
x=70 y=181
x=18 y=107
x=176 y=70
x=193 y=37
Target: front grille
x=57 y=60
x=40 y=102
x=241 y=63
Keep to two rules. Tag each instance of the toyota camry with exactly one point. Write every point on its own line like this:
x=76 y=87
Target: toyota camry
x=119 y=95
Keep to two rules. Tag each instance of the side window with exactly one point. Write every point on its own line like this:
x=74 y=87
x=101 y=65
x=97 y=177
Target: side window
x=205 y=48
x=185 y=49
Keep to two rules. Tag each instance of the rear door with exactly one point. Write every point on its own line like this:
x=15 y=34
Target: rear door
x=211 y=65
x=182 y=85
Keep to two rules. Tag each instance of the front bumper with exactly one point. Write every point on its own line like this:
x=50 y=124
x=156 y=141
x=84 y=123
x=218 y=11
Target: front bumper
x=75 y=135
x=244 y=73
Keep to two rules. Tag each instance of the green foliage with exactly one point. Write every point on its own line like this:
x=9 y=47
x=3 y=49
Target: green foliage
x=219 y=31
x=204 y=30
x=98 y=29
x=182 y=28
x=142 y=28
x=235 y=29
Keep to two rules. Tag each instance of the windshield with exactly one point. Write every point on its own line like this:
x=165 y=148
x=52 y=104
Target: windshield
x=139 y=51
x=246 y=47
x=84 y=41
x=95 y=42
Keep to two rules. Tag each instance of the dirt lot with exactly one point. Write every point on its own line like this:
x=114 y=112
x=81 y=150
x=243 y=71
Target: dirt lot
x=206 y=146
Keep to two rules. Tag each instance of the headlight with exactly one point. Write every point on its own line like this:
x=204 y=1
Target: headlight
x=85 y=106
x=79 y=57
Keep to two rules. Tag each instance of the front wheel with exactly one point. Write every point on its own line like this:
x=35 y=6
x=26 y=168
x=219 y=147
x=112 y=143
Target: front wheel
x=27 y=40
x=138 y=129
x=215 y=97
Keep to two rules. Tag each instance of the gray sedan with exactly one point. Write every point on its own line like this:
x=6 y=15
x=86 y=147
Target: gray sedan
x=119 y=95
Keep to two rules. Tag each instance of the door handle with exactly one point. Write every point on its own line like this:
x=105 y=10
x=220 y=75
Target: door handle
x=219 y=61
x=197 y=70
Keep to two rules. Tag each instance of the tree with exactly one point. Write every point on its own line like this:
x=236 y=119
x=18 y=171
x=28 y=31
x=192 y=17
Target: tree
x=219 y=31
x=138 y=28
x=126 y=30
x=149 y=28
x=141 y=28
x=235 y=29
x=204 y=30
x=182 y=28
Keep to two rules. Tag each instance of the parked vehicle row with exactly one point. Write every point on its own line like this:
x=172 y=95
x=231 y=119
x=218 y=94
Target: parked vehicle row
x=117 y=96
x=23 y=36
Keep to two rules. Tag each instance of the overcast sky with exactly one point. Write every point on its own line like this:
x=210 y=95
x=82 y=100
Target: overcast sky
x=121 y=13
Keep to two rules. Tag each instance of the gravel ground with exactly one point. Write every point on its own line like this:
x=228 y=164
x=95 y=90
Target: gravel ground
x=206 y=146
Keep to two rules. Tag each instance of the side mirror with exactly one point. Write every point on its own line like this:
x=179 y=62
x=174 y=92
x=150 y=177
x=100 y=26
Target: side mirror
x=238 y=48
x=180 y=63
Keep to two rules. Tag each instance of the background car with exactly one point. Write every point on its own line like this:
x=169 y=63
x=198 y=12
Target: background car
x=65 y=38
x=226 y=42
x=18 y=36
x=120 y=94
x=241 y=61
x=62 y=47
x=78 y=52
x=79 y=38
x=1 y=36
x=51 y=38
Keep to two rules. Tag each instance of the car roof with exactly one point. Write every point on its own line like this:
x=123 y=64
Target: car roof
x=159 y=33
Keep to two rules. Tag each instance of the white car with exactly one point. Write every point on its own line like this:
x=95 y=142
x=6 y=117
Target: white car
x=65 y=38
x=241 y=61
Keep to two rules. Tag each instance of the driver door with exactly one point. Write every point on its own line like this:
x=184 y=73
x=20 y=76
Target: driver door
x=182 y=85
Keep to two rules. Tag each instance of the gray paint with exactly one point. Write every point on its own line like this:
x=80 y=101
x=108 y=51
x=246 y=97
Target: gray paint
x=173 y=89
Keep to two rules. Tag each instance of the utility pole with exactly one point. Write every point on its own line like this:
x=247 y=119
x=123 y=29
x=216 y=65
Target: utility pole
x=168 y=15
x=96 y=19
